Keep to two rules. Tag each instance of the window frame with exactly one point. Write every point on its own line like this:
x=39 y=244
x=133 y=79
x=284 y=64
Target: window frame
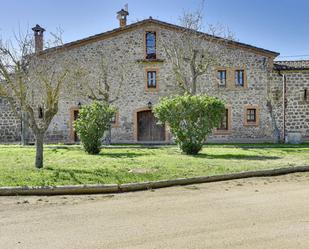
x=218 y=131
x=151 y=79
x=257 y=115
x=155 y=45
x=116 y=123
x=151 y=89
x=236 y=77
x=219 y=71
x=251 y=115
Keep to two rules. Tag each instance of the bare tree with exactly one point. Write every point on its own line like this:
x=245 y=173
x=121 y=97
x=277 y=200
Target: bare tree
x=101 y=90
x=33 y=82
x=189 y=56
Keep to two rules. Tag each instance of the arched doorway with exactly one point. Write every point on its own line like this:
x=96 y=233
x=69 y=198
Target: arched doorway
x=147 y=128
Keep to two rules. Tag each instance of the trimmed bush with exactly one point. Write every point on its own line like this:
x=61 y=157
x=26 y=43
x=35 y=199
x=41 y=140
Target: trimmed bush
x=93 y=121
x=191 y=119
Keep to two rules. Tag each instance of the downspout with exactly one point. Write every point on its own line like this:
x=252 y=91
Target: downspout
x=283 y=103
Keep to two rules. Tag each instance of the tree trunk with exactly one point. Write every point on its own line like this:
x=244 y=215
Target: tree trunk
x=193 y=90
x=24 y=129
x=39 y=150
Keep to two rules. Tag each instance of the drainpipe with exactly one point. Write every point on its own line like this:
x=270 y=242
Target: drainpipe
x=284 y=106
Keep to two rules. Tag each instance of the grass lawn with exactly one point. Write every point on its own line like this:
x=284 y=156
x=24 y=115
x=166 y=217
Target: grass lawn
x=124 y=164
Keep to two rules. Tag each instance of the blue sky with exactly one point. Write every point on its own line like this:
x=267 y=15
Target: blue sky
x=279 y=25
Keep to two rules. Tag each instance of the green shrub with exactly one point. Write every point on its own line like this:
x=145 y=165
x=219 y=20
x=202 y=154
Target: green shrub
x=92 y=122
x=190 y=118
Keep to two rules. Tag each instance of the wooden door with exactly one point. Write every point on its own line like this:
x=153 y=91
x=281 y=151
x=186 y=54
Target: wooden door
x=148 y=130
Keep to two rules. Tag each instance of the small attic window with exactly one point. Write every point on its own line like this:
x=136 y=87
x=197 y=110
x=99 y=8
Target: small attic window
x=151 y=45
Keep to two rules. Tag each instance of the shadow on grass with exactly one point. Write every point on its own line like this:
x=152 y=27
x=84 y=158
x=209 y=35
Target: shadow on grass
x=80 y=176
x=122 y=154
x=237 y=157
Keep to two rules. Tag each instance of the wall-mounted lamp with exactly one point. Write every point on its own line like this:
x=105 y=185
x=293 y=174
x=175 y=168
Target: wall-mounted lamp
x=149 y=105
x=79 y=105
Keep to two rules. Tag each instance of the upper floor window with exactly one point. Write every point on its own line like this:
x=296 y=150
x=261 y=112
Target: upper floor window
x=222 y=77
x=151 y=45
x=151 y=79
x=224 y=125
x=239 y=77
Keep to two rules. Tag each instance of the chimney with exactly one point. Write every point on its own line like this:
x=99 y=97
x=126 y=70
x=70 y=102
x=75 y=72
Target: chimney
x=38 y=38
x=122 y=16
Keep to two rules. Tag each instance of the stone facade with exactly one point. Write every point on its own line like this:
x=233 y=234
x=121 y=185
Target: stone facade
x=10 y=124
x=297 y=99
x=125 y=51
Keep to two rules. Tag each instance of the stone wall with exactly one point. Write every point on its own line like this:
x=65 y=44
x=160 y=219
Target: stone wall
x=9 y=123
x=297 y=107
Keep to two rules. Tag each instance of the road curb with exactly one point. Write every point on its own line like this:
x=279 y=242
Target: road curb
x=130 y=187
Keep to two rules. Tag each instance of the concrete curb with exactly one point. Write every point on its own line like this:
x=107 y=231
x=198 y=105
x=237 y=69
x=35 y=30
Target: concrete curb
x=129 y=187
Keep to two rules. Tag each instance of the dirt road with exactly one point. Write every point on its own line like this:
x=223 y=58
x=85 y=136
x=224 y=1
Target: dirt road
x=252 y=213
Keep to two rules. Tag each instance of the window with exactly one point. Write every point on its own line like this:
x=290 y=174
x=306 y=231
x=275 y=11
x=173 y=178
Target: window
x=239 y=77
x=151 y=79
x=224 y=125
x=251 y=115
x=222 y=77
x=115 y=120
x=151 y=45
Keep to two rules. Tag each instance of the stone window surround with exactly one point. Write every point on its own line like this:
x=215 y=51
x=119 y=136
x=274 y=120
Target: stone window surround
x=257 y=112
x=151 y=89
x=230 y=78
x=229 y=122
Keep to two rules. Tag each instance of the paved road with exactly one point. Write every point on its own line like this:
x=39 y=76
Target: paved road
x=253 y=213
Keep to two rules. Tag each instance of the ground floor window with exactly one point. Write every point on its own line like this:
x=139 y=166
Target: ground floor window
x=224 y=125
x=115 y=120
x=251 y=115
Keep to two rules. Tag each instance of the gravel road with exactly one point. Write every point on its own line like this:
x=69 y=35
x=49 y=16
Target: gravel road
x=251 y=213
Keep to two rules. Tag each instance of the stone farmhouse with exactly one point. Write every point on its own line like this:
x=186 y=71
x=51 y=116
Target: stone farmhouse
x=246 y=80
